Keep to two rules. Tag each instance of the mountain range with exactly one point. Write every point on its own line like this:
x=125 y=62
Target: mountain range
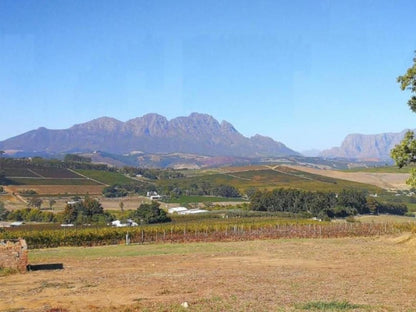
x=198 y=134
x=365 y=146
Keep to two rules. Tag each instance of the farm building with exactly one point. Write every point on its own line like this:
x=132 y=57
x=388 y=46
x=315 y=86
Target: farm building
x=185 y=211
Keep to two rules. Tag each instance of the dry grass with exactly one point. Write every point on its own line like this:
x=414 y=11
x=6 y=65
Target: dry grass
x=368 y=274
x=389 y=181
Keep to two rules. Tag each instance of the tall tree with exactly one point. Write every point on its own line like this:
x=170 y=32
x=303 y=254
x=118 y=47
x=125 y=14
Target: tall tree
x=404 y=153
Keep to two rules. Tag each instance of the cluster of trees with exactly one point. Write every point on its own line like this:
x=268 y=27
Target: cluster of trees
x=28 y=214
x=121 y=190
x=153 y=174
x=198 y=188
x=172 y=189
x=322 y=204
x=149 y=213
x=88 y=210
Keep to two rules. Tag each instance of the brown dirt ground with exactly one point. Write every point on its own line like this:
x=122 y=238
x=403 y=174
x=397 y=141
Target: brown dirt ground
x=379 y=274
x=389 y=181
x=58 y=189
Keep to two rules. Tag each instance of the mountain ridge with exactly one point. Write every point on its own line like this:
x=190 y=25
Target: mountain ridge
x=151 y=133
x=365 y=146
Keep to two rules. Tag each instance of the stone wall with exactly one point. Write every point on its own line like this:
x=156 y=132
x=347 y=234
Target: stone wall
x=13 y=254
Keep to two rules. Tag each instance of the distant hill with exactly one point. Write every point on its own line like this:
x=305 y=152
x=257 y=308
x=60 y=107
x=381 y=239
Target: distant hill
x=199 y=134
x=363 y=146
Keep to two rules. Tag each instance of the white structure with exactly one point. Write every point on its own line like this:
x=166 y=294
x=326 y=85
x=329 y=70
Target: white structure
x=177 y=209
x=192 y=211
x=185 y=211
x=130 y=222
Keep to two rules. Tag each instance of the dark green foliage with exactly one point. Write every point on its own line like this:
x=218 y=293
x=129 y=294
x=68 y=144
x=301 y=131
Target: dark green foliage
x=76 y=158
x=390 y=208
x=84 y=211
x=226 y=191
x=354 y=199
x=408 y=82
x=150 y=213
x=3 y=212
x=31 y=214
x=153 y=174
x=115 y=190
x=320 y=204
x=404 y=153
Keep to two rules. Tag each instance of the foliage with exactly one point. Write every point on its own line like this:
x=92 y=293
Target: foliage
x=153 y=174
x=31 y=214
x=404 y=153
x=76 y=158
x=150 y=213
x=28 y=192
x=354 y=199
x=115 y=190
x=321 y=204
x=88 y=210
x=3 y=212
x=226 y=191
x=408 y=82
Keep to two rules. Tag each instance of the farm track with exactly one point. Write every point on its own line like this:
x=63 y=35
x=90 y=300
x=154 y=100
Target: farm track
x=288 y=173
x=35 y=173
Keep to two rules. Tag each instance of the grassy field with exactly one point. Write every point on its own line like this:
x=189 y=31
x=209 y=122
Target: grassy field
x=269 y=275
x=105 y=177
x=269 y=178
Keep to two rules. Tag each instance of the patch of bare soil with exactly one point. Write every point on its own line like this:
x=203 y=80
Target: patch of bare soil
x=59 y=189
x=277 y=275
x=389 y=181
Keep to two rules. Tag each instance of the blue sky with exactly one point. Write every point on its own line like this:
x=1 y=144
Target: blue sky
x=305 y=73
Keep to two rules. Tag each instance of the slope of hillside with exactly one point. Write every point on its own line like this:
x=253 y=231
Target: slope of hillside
x=389 y=181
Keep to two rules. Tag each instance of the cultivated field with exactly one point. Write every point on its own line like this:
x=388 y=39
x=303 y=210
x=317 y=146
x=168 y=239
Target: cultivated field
x=344 y=274
x=385 y=180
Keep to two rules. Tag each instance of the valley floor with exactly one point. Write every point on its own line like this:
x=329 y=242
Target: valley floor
x=371 y=274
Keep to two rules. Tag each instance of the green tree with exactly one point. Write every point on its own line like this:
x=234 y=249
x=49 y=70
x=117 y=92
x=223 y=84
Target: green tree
x=150 y=213
x=408 y=82
x=404 y=153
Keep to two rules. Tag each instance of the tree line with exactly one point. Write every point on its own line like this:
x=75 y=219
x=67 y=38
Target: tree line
x=322 y=204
